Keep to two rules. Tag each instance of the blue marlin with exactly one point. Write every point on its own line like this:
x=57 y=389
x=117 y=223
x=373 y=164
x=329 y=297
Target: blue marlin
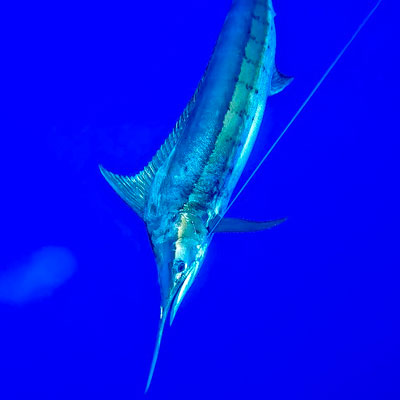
x=184 y=191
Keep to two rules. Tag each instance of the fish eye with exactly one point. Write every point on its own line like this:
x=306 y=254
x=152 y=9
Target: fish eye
x=180 y=265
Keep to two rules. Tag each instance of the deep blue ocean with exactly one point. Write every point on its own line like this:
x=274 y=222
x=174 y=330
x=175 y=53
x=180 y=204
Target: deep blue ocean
x=307 y=310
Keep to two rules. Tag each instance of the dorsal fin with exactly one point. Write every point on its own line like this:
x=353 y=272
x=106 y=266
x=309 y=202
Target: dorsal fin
x=134 y=189
x=171 y=141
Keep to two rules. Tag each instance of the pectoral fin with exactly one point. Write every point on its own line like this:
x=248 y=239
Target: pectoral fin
x=242 y=225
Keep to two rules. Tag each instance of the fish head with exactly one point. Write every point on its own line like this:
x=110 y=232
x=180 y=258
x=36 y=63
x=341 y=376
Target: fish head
x=179 y=243
x=180 y=251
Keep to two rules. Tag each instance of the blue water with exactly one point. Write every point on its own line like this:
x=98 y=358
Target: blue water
x=308 y=310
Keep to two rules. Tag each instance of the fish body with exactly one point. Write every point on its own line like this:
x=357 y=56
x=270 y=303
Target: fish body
x=190 y=180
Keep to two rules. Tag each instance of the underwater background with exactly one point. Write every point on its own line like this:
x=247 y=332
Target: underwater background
x=307 y=310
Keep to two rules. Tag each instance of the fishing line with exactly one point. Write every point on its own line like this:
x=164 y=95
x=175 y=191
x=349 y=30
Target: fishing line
x=316 y=87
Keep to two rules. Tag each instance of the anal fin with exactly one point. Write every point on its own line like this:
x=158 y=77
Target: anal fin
x=279 y=82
